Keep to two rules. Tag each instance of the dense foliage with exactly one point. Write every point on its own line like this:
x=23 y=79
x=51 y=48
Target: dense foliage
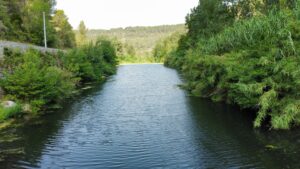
x=165 y=47
x=35 y=79
x=22 y=20
x=245 y=53
x=64 y=31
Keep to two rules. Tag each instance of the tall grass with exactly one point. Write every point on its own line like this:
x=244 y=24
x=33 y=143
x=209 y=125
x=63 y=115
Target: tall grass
x=249 y=33
x=6 y=113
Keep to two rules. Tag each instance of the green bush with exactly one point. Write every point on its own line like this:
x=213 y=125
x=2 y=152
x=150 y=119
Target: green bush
x=39 y=80
x=91 y=62
x=32 y=80
x=76 y=62
x=165 y=47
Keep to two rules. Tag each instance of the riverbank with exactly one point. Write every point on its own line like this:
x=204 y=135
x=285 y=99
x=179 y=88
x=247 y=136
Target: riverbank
x=249 y=61
x=35 y=82
x=26 y=117
x=142 y=63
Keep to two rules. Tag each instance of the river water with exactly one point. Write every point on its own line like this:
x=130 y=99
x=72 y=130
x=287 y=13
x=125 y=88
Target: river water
x=140 y=118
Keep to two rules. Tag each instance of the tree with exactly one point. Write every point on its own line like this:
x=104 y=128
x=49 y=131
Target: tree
x=3 y=19
x=11 y=12
x=64 y=31
x=208 y=18
x=32 y=21
x=22 y=20
x=166 y=46
x=82 y=37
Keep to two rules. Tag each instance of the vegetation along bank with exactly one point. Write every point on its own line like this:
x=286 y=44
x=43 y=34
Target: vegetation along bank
x=36 y=81
x=244 y=53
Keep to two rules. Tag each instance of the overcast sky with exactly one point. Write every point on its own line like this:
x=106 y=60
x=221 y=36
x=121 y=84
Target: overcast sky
x=106 y=14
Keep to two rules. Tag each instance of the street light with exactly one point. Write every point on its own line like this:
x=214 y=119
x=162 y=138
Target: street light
x=45 y=33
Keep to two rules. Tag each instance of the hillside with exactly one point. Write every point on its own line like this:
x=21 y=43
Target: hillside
x=143 y=39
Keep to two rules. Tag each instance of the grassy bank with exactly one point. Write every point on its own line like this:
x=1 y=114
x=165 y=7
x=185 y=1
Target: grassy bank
x=122 y=64
x=133 y=59
x=249 y=58
x=37 y=81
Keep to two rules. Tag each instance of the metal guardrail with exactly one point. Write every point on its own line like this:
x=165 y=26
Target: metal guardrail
x=23 y=47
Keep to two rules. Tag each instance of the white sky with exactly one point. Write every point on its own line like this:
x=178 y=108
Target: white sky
x=106 y=14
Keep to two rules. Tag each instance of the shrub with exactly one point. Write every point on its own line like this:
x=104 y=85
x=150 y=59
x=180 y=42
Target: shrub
x=32 y=80
x=165 y=47
x=92 y=61
x=38 y=79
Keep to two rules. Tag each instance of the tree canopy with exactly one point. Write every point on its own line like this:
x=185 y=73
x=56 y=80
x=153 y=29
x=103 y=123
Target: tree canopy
x=22 y=20
x=65 y=34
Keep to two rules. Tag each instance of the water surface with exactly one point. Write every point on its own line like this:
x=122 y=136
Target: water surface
x=140 y=118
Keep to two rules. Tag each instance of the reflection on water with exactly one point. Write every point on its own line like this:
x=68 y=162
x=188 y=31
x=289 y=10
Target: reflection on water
x=140 y=118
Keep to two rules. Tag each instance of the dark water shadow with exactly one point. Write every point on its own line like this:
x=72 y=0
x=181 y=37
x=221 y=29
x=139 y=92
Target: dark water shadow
x=31 y=137
x=229 y=133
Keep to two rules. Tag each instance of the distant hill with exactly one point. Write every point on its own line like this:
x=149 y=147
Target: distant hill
x=143 y=39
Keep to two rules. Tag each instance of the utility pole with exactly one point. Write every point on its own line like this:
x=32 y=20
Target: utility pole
x=45 y=33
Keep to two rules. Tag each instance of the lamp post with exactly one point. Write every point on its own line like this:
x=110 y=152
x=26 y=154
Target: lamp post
x=45 y=33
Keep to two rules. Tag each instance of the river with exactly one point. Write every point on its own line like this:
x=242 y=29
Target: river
x=140 y=118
